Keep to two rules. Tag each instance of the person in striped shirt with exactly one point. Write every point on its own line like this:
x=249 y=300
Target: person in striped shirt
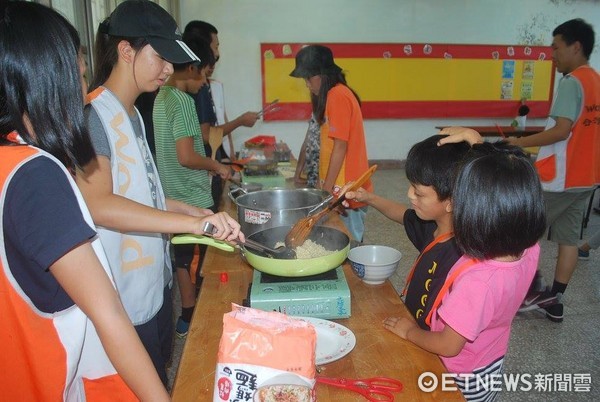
x=183 y=166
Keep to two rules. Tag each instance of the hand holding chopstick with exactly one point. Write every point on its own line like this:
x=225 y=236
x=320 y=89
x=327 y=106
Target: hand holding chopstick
x=300 y=231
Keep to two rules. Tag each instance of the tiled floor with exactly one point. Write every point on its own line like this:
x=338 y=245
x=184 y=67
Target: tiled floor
x=538 y=346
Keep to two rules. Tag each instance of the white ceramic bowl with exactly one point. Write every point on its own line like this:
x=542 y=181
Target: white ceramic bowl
x=374 y=264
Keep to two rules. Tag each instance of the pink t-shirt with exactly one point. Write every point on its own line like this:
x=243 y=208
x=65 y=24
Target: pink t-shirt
x=481 y=305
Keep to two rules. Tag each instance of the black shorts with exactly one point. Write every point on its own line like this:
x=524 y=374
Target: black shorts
x=184 y=255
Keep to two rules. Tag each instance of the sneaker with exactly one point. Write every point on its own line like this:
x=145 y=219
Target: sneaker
x=538 y=300
x=182 y=328
x=554 y=312
x=583 y=255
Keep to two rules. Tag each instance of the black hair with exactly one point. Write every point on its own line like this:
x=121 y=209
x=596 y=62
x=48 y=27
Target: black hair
x=577 y=30
x=199 y=30
x=429 y=164
x=319 y=102
x=202 y=50
x=41 y=81
x=106 y=53
x=498 y=206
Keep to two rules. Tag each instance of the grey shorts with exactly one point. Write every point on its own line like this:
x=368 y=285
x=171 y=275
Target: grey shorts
x=564 y=215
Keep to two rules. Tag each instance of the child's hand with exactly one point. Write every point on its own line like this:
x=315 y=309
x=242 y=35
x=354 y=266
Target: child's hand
x=339 y=192
x=224 y=171
x=199 y=212
x=248 y=119
x=205 y=212
x=399 y=325
x=360 y=195
x=226 y=228
x=458 y=134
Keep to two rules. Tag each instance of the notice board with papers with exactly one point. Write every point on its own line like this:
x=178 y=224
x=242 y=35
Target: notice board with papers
x=419 y=80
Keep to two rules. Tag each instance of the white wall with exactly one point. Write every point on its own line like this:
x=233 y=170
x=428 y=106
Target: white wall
x=244 y=24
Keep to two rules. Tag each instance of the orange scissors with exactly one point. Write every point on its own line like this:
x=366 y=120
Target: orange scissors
x=374 y=389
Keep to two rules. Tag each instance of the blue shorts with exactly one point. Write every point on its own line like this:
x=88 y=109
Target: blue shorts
x=355 y=222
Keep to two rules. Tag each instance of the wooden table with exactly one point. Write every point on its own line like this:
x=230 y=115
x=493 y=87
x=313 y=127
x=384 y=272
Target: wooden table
x=378 y=352
x=510 y=131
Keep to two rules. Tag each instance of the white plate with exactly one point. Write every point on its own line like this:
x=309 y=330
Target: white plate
x=334 y=341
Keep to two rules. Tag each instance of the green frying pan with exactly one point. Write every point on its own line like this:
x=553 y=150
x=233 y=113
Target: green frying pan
x=331 y=239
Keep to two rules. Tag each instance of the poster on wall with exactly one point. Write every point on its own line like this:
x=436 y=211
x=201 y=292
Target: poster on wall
x=419 y=80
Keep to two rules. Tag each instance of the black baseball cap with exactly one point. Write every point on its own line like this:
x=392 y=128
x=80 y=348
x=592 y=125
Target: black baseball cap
x=146 y=19
x=314 y=60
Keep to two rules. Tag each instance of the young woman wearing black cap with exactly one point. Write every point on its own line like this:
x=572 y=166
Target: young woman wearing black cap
x=336 y=108
x=65 y=334
x=134 y=50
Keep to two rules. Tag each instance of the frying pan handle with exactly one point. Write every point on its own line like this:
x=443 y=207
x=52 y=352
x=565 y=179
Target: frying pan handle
x=251 y=244
x=199 y=239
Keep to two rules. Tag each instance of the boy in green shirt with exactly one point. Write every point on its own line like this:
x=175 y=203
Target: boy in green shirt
x=183 y=166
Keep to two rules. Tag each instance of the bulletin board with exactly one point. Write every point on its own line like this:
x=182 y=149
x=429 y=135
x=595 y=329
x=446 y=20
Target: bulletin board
x=420 y=80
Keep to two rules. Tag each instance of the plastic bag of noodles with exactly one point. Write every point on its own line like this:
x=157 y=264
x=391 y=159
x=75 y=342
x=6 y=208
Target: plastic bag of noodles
x=264 y=357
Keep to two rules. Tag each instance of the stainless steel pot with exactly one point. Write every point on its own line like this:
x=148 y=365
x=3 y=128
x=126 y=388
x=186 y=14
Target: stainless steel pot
x=265 y=209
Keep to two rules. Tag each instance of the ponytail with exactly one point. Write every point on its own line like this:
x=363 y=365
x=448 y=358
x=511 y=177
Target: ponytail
x=106 y=53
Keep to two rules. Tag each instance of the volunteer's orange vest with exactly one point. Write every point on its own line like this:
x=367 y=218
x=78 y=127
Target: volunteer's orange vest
x=575 y=162
x=47 y=357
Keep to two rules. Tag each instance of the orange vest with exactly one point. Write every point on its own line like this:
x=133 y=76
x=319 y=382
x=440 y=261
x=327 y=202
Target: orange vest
x=575 y=162
x=48 y=357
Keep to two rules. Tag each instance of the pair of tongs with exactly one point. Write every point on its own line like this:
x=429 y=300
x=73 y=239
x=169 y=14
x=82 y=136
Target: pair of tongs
x=301 y=230
x=269 y=108
x=281 y=252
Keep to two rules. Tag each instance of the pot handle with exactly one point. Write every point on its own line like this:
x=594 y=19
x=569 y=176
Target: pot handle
x=198 y=239
x=319 y=205
x=234 y=190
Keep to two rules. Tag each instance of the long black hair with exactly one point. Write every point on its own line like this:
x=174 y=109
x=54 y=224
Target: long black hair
x=328 y=81
x=41 y=82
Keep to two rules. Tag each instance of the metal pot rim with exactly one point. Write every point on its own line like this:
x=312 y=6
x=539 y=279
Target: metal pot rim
x=239 y=200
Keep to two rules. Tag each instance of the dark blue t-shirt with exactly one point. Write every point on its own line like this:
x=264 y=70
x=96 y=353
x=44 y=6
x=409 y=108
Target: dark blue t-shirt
x=42 y=222
x=204 y=106
x=207 y=114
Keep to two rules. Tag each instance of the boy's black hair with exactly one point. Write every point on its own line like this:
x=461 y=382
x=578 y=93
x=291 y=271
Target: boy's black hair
x=197 y=29
x=498 y=207
x=41 y=80
x=200 y=49
x=429 y=164
x=577 y=30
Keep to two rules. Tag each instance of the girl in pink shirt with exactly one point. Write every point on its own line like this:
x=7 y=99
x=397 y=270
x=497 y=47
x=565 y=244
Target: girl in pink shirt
x=498 y=216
